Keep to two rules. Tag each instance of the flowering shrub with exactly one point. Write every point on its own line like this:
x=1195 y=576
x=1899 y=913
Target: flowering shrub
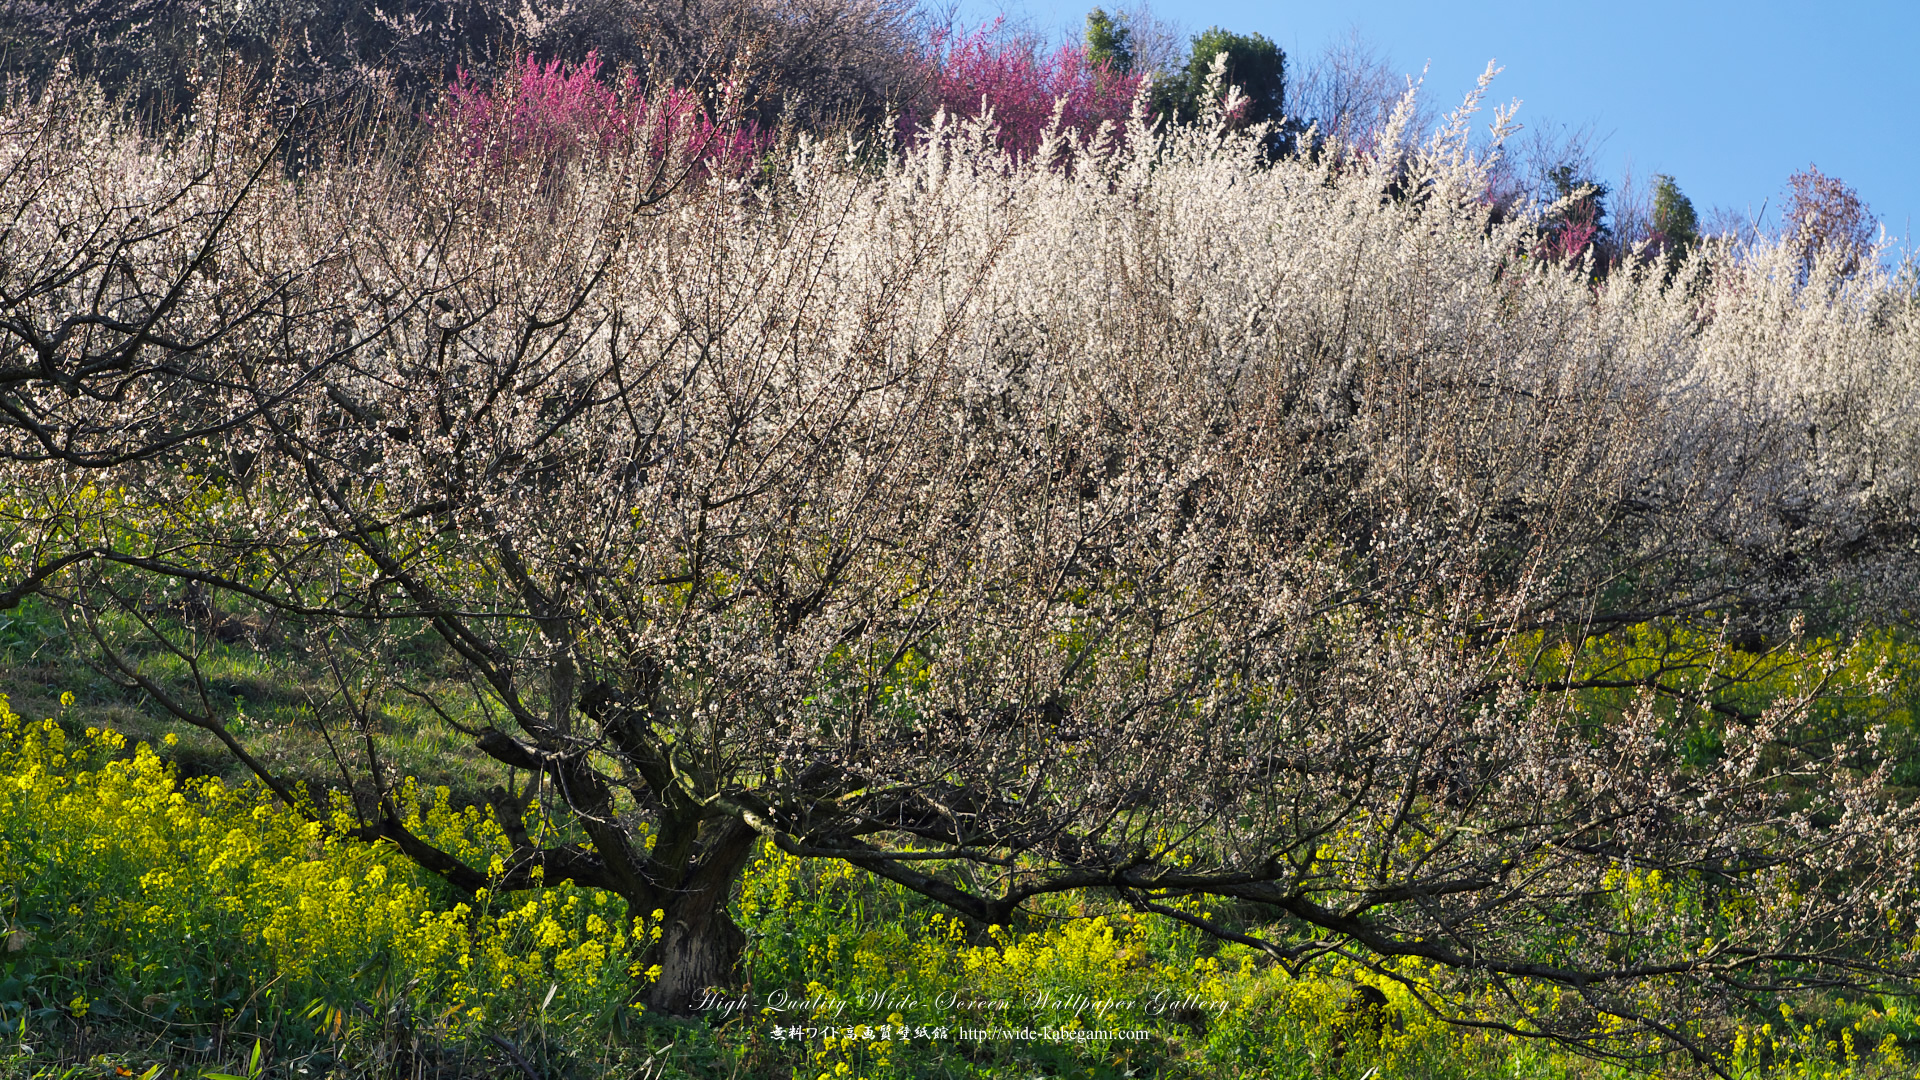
x=982 y=73
x=557 y=111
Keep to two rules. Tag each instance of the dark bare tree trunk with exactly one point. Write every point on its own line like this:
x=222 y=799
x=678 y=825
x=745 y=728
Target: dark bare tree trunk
x=699 y=947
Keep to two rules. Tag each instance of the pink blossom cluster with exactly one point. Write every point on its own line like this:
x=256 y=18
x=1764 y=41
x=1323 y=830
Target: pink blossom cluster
x=553 y=110
x=1571 y=239
x=982 y=72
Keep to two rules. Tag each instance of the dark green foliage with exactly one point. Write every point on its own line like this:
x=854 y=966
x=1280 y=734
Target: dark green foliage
x=1673 y=215
x=1577 y=223
x=1676 y=228
x=1109 y=41
x=1254 y=64
x=1588 y=195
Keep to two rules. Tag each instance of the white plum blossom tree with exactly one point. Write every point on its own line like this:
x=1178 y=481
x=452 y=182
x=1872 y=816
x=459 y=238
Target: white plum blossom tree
x=1160 y=521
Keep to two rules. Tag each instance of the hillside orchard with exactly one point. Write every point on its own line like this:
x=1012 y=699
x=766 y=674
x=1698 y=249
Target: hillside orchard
x=1273 y=544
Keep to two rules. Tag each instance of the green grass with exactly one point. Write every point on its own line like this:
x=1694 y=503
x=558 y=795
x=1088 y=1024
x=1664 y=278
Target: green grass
x=267 y=694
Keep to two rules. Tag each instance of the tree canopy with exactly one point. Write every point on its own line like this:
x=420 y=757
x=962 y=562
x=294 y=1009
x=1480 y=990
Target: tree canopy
x=1108 y=41
x=1248 y=62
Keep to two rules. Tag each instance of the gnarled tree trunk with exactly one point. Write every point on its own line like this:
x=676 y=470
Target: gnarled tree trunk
x=699 y=947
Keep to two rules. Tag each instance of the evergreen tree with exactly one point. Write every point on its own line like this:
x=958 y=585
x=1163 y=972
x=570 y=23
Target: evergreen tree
x=1254 y=64
x=1673 y=215
x=1109 y=41
x=1676 y=227
x=1577 y=223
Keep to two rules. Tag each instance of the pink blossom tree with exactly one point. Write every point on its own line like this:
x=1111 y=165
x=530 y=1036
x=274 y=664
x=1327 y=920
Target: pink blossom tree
x=1824 y=218
x=985 y=72
x=555 y=111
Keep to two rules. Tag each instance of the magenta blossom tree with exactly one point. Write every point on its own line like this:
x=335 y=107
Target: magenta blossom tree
x=983 y=72
x=559 y=111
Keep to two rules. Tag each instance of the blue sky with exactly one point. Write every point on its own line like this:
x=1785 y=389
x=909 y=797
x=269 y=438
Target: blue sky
x=1728 y=98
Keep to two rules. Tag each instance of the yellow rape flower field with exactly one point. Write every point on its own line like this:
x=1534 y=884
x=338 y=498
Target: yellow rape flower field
x=155 y=925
